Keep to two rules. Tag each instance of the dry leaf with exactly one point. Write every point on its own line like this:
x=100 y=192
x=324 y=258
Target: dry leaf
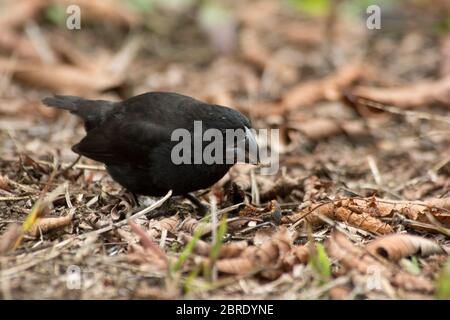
x=48 y=224
x=355 y=258
x=268 y=256
x=170 y=224
x=398 y=246
x=329 y=88
x=414 y=95
x=60 y=77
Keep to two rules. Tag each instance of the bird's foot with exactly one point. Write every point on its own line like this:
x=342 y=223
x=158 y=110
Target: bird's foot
x=202 y=208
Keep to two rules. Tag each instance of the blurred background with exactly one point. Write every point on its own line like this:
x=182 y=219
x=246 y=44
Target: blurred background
x=258 y=56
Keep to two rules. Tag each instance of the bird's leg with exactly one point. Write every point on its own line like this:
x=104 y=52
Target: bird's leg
x=202 y=208
x=136 y=199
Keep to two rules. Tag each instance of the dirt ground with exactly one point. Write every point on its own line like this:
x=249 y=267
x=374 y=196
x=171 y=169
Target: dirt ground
x=359 y=208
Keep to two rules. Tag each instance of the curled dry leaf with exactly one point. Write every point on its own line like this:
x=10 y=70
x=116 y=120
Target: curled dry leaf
x=48 y=224
x=410 y=209
x=266 y=256
x=365 y=213
x=353 y=216
x=352 y=257
x=240 y=265
x=190 y=225
x=397 y=246
x=297 y=255
x=355 y=258
x=415 y=95
x=170 y=224
x=362 y=220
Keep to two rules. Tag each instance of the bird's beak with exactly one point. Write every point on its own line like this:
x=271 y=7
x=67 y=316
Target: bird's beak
x=251 y=150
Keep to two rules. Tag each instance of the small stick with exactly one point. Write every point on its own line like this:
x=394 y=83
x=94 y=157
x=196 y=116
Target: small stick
x=374 y=169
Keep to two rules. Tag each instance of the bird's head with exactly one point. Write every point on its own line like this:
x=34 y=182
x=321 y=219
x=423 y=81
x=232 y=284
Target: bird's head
x=244 y=146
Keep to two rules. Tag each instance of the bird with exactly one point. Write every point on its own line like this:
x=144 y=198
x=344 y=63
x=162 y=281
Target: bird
x=133 y=138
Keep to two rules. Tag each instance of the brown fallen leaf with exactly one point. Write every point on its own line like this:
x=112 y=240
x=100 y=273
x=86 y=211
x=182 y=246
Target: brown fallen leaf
x=362 y=220
x=60 y=77
x=321 y=128
x=252 y=49
x=439 y=202
x=341 y=211
x=15 y=13
x=15 y=44
x=236 y=265
x=397 y=246
x=297 y=255
x=48 y=224
x=306 y=94
x=415 y=210
x=170 y=224
x=357 y=259
x=266 y=258
x=365 y=212
x=414 y=95
x=190 y=225
x=328 y=88
x=351 y=256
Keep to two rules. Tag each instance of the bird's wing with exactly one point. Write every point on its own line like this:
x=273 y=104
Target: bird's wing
x=122 y=142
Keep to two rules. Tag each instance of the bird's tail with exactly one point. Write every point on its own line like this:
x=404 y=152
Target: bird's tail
x=93 y=112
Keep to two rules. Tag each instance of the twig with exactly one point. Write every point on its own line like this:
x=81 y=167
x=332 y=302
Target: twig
x=374 y=169
x=138 y=214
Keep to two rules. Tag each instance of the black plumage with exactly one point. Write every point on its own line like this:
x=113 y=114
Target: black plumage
x=133 y=139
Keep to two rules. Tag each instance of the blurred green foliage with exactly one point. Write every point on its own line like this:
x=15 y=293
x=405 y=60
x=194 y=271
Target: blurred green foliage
x=443 y=282
x=320 y=8
x=56 y=14
x=311 y=7
x=211 y=12
x=320 y=262
x=141 y=5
